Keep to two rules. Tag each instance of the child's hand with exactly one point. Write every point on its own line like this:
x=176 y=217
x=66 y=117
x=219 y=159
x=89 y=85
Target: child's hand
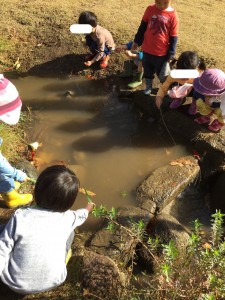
x=90 y=206
x=208 y=100
x=27 y=178
x=158 y=101
x=130 y=54
x=88 y=63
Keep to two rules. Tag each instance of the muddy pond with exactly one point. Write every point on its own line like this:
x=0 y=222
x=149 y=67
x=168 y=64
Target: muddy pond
x=81 y=122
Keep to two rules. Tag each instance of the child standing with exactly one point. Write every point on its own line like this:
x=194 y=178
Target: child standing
x=136 y=57
x=157 y=34
x=36 y=242
x=99 y=41
x=210 y=103
x=187 y=60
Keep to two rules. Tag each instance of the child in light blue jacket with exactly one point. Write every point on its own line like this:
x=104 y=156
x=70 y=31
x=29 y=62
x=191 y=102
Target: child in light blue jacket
x=9 y=183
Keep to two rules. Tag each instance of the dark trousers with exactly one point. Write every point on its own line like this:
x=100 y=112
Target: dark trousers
x=93 y=46
x=152 y=64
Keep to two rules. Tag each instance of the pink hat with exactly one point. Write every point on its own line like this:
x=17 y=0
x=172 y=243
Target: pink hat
x=210 y=83
x=10 y=102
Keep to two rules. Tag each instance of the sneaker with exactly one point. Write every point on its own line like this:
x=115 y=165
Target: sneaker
x=192 y=108
x=202 y=120
x=176 y=103
x=148 y=88
x=147 y=91
x=215 y=126
x=104 y=62
x=89 y=57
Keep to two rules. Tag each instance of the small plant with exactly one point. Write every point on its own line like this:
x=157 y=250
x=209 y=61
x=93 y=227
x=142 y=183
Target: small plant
x=123 y=194
x=197 y=273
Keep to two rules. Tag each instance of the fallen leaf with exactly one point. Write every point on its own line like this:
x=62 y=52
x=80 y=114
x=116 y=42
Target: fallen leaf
x=85 y=292
x=206 y=246
x=181 y=162
x=90 y=193
x=176 y=163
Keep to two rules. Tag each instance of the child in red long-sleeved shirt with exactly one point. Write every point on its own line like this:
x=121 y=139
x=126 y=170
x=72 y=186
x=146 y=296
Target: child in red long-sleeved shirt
x=157 y=34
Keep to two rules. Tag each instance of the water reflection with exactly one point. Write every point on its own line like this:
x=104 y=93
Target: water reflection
x=100 y=138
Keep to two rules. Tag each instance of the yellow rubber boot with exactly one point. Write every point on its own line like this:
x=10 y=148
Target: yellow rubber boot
x=13 y=199
x=17 y=185
x=69 y=255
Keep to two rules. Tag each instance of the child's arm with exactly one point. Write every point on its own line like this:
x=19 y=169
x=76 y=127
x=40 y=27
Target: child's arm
x=139 y=37
x=172 y=47
x=163 y=90
x=6 y=168
x=100 y=54
x=130 y=54
x=158 y=101
x=81 y=215
x=173 y=37
x=121 y=48
x=90 y=206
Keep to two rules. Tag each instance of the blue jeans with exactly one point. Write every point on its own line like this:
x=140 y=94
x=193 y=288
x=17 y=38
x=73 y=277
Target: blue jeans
x=8 y=174
x=152 y=64
x=93 y=46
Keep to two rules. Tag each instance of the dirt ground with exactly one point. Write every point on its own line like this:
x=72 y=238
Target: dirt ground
x=36 y=34
x=35 y=39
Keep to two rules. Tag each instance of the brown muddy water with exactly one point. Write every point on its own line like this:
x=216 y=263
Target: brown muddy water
x=102 y=140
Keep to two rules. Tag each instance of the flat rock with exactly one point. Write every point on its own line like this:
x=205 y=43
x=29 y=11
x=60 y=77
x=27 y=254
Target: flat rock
x=166 y=183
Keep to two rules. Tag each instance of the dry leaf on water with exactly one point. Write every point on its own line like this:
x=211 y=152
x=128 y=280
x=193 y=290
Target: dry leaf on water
x=90 y=193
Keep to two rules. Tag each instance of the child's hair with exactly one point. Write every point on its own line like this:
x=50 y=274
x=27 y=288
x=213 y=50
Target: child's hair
x=88 y=17
x=56 y=188
x=190 y=60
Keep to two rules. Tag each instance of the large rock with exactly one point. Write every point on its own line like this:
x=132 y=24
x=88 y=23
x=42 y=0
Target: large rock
x=167 y=228
x=190 y=205
x=128 y=215
x=28 y=168
x=101 y=278
x=119 y=243
x=211 y=146
x=181 y=123
x=166 y=183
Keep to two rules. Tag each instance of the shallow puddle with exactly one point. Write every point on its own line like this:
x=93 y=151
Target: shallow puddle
x=82 y=123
